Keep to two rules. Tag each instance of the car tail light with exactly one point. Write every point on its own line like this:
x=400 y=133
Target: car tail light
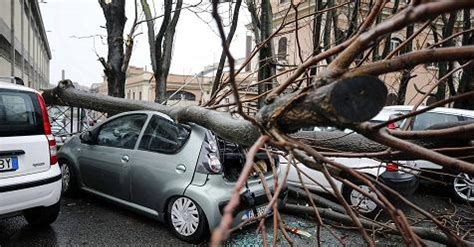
x=209 y=162
x=391 y=167
x=53 y=156
x=391 y=126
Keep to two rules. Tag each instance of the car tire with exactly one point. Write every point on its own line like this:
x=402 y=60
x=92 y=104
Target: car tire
x=69 y=180
x=42 y=216
x=359 y=202
x=462 y=188
x=187 y=220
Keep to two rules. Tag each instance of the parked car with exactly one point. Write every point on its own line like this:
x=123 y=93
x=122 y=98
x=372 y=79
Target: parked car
x=395 y=175
x=179 y=174
x=461 y=185
x=30 y=178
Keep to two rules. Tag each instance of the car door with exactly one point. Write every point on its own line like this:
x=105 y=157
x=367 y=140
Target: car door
x=105 y=165
x=164 y=162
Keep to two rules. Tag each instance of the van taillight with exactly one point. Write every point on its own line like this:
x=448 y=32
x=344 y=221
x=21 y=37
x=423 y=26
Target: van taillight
x=53 y=156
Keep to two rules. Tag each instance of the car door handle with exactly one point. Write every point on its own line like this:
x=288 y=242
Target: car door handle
x=125 y=159
x=180 y=168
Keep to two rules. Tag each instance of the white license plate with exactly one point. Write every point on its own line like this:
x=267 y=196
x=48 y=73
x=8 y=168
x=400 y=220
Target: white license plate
x=250 y=214
x=8 y=164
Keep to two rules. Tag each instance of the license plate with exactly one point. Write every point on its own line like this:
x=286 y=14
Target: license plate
x=250 y=214
x=8 y=164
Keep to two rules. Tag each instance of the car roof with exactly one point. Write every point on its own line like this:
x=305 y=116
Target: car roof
x=6 y=84
x=148 y=112
x=388 y=110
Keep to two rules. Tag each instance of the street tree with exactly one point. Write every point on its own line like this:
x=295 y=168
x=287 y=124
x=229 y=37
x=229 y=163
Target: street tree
x=161 y=44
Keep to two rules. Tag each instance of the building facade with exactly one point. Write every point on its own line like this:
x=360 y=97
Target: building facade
x=181 y=89
x=24 y=47
x=287 y=42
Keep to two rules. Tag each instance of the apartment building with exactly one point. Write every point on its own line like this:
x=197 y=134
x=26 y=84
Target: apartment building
x=287 y=42
x=24 y=47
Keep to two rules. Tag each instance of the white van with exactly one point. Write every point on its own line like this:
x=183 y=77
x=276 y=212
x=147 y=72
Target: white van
x=30 y=177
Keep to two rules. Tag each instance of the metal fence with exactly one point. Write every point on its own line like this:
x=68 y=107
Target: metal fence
x=67 y=121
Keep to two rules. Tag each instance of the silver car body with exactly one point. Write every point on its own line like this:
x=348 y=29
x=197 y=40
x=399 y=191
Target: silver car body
x=145 y=181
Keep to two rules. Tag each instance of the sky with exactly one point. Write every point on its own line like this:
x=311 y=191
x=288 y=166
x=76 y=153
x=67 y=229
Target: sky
x=74 y=28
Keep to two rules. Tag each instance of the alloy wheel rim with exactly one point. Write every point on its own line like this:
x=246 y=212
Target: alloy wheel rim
x=361 y=202
x=184 y=216
x=66 y=176
x=464 y=186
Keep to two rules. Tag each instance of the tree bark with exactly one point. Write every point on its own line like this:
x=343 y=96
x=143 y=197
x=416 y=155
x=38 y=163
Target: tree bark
x=345 y=102
x=443 y=67
x=406 y=74
x=266 y=68
x=386 y=48
x=317 y=23
x=466 y=83
x=150 y=23
x=114 y=12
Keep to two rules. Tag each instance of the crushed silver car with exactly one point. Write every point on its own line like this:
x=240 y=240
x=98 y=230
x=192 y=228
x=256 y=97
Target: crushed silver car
x=179 y=174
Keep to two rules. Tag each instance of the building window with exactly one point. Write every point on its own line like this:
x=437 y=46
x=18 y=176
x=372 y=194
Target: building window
x=284 y=1
x=133 y=95
x=394 y=43
x=128 y=94
x=282 y=48
x=140 y=95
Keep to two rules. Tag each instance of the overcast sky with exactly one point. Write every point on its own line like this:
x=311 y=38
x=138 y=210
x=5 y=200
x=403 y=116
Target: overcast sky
x=68 y=21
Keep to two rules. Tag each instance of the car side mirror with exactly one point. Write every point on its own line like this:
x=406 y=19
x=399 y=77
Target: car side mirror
x=86 y=137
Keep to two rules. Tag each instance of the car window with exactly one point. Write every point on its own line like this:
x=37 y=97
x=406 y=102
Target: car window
x=164 y=136
x=429 y=119
x=468 y=119
x=20 y=114
x=122 y=132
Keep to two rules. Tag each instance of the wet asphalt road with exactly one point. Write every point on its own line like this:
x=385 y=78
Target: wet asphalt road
x=92 y=221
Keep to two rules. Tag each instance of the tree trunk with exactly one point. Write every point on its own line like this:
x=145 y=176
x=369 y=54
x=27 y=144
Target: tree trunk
x=406 y=74
x=168 y=46
x=321 y=106
x=386 y=48
x=230 y=35
x=327 y=28
x=443 y=67
x=467 y=79
x=150 y=23
x=266 y=68
x=317 y=23
x=114 y=12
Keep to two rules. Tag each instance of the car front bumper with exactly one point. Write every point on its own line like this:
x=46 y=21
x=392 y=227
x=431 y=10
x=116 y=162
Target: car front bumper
x=214 y=195
x=404 y=183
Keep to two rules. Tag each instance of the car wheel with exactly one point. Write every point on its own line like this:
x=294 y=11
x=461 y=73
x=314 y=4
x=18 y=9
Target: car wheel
x=463 y=187
x=187 y=220
x=359 y=201
x=42 y=216
x=69 y=182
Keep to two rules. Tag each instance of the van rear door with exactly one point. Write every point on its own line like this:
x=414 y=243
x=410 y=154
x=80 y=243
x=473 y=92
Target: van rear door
x=24 y=147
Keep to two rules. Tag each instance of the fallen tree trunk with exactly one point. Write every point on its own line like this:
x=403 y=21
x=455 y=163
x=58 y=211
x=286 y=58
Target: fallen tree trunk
x=320 y=201
x=426 y=233
x=341 y=144
x=341 y=103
